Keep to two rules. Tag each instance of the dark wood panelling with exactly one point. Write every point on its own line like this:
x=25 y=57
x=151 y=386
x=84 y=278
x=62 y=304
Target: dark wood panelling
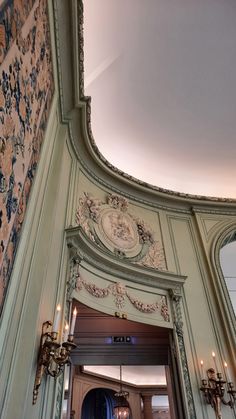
x=93 y=335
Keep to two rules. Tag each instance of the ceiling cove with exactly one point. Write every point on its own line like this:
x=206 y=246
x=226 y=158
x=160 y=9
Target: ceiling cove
x=163 y=91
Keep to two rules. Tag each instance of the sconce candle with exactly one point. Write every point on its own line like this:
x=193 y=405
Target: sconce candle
x=66 y=332
x=201 y=362
x=72 y=327
x=227 y=372
x=214 y=359
x=56 y=323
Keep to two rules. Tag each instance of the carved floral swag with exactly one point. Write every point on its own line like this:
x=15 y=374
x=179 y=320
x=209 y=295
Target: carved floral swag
x=119 y=291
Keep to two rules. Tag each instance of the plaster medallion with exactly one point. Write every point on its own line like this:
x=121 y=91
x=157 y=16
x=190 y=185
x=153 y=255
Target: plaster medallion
x=118 y=230
x=109 y=224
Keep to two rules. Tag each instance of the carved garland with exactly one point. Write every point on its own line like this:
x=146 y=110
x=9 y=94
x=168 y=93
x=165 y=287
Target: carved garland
x=119 y=291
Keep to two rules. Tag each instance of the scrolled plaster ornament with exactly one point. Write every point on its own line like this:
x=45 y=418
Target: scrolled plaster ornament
x=154 y=258
x=88 y=210
x=111 y=226
x=89 y=207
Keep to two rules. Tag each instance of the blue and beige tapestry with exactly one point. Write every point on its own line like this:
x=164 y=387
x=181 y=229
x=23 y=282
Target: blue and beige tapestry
x=26 y=90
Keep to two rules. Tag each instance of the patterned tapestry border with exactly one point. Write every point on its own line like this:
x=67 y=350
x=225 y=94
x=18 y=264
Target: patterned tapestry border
x=26 y=90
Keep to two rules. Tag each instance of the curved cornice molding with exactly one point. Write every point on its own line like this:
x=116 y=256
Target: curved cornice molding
x=76 y=112
x=84 y=249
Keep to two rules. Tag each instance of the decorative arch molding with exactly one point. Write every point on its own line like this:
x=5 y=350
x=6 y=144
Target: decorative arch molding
x=225 y=236
x=222 y=298
x=116 y=287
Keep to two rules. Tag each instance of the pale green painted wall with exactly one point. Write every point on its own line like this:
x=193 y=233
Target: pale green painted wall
x=189 y=230
x=189 y=240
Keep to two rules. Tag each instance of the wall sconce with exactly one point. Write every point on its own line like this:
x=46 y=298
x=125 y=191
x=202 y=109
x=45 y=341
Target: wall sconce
x=214 y=388
x=53 y=356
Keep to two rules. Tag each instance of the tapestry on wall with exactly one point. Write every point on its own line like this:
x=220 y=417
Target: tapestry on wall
x=26 y=89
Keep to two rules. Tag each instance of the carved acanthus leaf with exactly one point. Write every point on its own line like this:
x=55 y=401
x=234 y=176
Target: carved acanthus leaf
x=154 y=257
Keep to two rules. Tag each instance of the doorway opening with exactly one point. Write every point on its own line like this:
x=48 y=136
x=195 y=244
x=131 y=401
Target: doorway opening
x=98 y=404
x=149 y=367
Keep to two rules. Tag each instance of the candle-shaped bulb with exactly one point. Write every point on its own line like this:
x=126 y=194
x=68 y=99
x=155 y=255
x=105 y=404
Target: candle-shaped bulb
x=66 y=332
x=201 y=363
x=56 y=323
x=214 y=359
x=227 y=372
x=72 y=327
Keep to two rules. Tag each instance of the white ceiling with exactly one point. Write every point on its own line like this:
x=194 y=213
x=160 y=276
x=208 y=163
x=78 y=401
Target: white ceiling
x=162 y=78
x=139 y=375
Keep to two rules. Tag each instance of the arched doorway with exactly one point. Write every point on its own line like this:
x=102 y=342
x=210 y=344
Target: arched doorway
x=98 y=404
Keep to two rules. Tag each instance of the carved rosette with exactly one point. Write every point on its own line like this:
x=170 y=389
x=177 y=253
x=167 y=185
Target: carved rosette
x=111 y=226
